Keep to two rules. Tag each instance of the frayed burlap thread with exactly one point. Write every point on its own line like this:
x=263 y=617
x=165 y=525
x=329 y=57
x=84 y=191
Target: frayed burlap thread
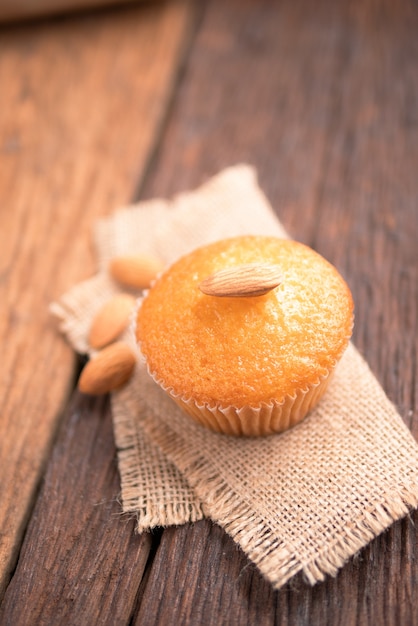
x=305 y=500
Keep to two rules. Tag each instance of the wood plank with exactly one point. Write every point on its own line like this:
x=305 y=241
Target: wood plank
x=323 y=102
x=13 y=10
x=82 y=104
x=77 y=541
x=209 y=579
x=199 y=576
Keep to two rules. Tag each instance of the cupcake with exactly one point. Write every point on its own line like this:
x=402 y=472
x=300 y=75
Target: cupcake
x=245 y=333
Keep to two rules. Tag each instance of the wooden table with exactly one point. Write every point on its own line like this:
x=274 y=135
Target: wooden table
x=103 y=108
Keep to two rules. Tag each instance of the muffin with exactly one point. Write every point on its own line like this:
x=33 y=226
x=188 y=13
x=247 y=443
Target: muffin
x=254 y=354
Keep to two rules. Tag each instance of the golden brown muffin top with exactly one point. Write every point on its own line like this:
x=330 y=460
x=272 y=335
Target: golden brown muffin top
x=246 y=350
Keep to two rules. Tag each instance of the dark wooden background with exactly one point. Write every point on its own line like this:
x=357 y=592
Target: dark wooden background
x=99 y=109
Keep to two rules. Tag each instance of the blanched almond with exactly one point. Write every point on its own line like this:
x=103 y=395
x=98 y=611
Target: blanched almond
x=135 y=271
x=111 y=320
x=108 y=370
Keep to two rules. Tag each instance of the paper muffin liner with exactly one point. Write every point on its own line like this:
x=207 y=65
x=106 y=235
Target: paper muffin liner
x=253 y=421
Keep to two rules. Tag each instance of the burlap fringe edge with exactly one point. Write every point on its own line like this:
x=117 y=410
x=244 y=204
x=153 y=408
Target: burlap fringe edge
x=147 y=514
x=269 y=553
x=150 y=514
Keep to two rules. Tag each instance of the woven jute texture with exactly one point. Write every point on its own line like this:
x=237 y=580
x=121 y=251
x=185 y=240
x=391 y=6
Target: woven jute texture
x=305 y=500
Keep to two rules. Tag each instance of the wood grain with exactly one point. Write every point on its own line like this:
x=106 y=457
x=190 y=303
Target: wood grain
x=82 y=103
x=13 y=10
x=77 y=539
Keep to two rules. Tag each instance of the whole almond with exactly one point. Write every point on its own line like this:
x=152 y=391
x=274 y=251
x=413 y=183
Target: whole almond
x=135 y=271
x=242 y=281
x=110 y=369
x=111 y=320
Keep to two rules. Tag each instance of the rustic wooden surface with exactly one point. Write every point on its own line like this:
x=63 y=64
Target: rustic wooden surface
x=19 y=10
x=82 y=103
x=323 y=100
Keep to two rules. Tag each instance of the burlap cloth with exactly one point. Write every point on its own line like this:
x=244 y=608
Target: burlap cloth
x=305 y=500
